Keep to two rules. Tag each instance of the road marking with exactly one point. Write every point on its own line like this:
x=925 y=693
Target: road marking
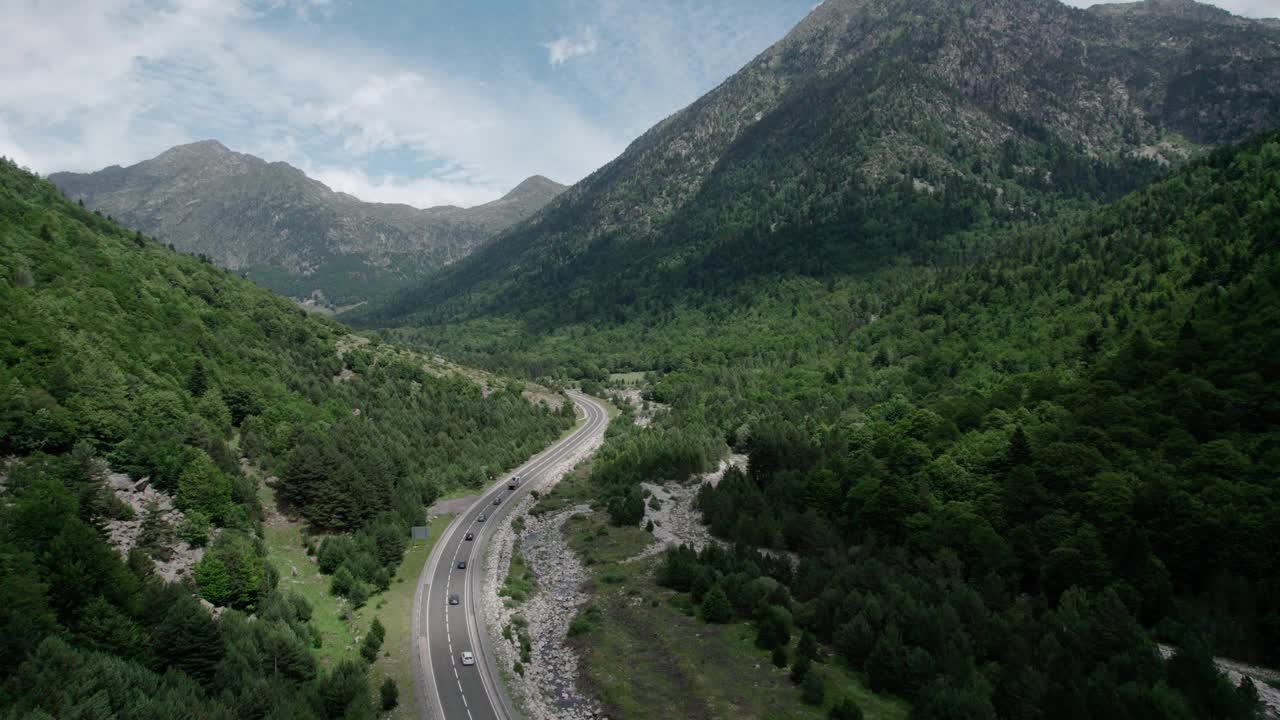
x=596 y=419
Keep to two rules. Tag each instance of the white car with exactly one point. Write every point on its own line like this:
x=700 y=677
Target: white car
x=468 y=658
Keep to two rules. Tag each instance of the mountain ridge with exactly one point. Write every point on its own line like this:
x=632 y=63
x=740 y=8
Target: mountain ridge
x=288 y=231
x=1018 y=103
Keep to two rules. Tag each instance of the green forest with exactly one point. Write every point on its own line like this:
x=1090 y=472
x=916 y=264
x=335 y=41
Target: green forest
x=1009 y=461
x=121 y=355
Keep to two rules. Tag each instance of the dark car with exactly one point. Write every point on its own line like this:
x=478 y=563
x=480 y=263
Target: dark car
x=462 y=564
x=497 y=500
x=470 y=536
x=453 y=600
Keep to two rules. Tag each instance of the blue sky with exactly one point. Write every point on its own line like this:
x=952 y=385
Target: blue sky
x=425 y=102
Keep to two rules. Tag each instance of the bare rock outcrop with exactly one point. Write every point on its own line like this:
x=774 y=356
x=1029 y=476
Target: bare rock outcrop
x=123 y=534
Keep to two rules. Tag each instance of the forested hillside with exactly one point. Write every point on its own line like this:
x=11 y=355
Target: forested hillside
x=1033 y=454
x=1003 y=461
x=120 y=354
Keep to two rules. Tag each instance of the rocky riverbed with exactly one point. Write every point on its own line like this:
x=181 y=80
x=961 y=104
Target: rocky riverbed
x=1236 y=672
x=547 y=690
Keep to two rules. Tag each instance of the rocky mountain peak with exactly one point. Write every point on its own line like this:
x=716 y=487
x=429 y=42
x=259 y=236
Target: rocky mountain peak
x=289 y=231
x=1182 y=9
x=203 y=149
x=536 y=187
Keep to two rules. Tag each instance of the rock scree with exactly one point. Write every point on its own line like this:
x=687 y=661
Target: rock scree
x=547 y=690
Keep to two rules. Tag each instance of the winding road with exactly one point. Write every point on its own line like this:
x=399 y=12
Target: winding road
x=448 y=690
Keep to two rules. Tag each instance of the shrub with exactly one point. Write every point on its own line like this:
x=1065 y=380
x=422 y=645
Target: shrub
x=390 y=694
x=813 y=691
x=716 y=607
x=846 y=709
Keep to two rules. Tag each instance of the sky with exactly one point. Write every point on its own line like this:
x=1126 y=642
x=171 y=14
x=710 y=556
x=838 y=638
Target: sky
x=425 y=102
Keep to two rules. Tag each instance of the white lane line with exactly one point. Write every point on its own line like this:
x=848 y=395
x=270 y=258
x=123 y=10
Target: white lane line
x=538 y=469
x=533 y=470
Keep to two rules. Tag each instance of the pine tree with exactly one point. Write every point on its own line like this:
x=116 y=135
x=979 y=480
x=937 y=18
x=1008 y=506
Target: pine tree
x=716 y=607
x=156 y=537
x=773 y=628
x=373 y=641
x=800 y=669
x=808 y=646
x=813 y=690
x=199 y=380
x=188 y=640
x=846 y=709
x=390 y=694
x=345 y=691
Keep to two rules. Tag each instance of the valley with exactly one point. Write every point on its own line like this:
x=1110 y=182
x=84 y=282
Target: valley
x=919 y=366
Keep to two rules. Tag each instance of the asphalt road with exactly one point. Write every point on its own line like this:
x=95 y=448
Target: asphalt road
x=448 y=690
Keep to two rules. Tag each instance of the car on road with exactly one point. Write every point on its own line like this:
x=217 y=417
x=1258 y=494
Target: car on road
x=513 y=483
x=462 y=564
x=497 y=500
x=453 y=599
x=470 y=536
x=468 y=658
x=481 y=518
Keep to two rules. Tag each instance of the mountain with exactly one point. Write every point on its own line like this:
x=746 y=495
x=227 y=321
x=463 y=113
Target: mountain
x=873 y=125
x=287 y=231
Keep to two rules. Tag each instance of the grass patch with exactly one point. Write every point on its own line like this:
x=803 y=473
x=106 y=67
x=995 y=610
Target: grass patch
x=338 y=625
x=610 y=410
x=630 y=378
x=598 y=543
x=395 y=609
x=646 y=654
x=645 y=658
x=587 y=620
x=520 y=582
x=573 y=489
x=461 y=492
x=286 y=551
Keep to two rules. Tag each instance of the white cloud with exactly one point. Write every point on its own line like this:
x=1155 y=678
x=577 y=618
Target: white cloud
x=664 y=54
x=101 y=82
x=563 y=49
x=306 y=9
x=416 y=192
